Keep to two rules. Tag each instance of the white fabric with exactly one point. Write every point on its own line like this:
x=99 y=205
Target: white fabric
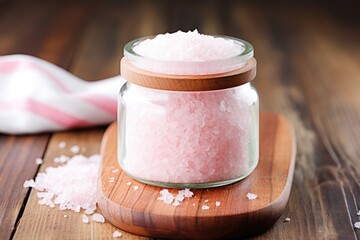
x=37 y=96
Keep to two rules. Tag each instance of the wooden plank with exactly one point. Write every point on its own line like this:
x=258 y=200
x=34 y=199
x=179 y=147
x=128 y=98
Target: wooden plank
x=296 y=77
x=35 y=25
x=97 y=57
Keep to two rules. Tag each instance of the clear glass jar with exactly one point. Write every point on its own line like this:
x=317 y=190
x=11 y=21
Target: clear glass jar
x=194 y=139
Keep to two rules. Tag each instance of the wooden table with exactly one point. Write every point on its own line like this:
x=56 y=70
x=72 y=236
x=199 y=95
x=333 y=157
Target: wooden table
x=308 y=70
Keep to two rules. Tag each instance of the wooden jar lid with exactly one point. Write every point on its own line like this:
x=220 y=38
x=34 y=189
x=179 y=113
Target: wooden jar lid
x=161 y=81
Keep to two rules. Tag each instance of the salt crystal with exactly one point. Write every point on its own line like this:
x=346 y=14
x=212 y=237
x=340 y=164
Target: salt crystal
x=136 y=188
x=222 y=106
x=115 y=170
x=62 y=145
x=186 y=192
x=251 y=196
x=357 y=225
x=65 y=216
x=116 y=234
x=111 y=180
x=166 y=196
x=217 y=203
x=72 y=185
x=179 y=197
x=207 y=200
x=176 y=203
x=205 y=207
x=85 y=219
x=29 y=183
x=201 y=155
x=358 y=213
x=287 y=219
x=38 y=161
x=75 y=149
x=186 y=47
x=128 y=183
x=89 y=211
x=61 y=159
x=98 y=218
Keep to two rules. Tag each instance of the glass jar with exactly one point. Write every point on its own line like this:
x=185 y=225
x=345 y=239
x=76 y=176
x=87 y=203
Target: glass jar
x=196 y=130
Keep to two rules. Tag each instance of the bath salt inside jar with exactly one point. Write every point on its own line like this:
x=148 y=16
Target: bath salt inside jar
x=188 y=115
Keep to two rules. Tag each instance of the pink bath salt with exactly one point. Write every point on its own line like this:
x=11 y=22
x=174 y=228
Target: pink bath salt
x=184 y=53
x=75 y=149
x=188 y=46
x=70 y=186
x=38 y=161
x=205 y=207
x=166 y=196
x=116 y=234
x=62 y=145
x=98 y=218
x=251 y=196
x=190 y=137
x=85 y=218
x=29 y=183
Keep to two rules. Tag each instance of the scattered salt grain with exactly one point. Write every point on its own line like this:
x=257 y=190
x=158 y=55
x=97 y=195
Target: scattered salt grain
x=61 y=159
x=166 y=196
x=116 y=234
x=62 y=145
x=98 y=218
x=85 y=219
x=89 y=211
x=287 y=219
x=188 y=46
x=115 y=170
x=357 y=225
x=38 y=161
x=71 y=186
x=186 y=192
x=111 y=180
x=65 y=216
x=75 y=149
x=251 y=196
x=205 y=207
x=207 y=200
x=217 y=203
x=136 y=188
x=29 y=183
x=128 y=183
x=358 y=213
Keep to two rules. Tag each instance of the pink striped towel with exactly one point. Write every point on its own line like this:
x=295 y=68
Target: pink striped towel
x=37 y=96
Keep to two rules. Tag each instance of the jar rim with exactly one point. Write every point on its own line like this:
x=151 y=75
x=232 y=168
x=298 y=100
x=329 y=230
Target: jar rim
x=189 y=67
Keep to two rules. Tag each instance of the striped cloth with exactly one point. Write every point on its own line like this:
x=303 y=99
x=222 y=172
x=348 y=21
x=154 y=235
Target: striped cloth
x=37 y=96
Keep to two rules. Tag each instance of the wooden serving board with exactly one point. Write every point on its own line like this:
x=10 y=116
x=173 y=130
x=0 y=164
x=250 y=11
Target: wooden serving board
x=140 y=212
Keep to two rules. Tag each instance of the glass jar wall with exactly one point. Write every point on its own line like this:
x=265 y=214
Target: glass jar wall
x=194 y=139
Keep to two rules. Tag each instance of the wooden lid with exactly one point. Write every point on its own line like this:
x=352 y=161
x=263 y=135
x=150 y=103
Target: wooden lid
x=162 y=81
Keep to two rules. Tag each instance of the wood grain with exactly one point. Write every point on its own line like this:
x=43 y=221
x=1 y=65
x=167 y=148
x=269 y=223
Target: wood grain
x=308 y=69
x=217 y=81
x=140 y=212
x=18 y=153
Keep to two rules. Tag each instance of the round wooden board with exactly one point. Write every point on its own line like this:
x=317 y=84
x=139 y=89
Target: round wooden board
x=140 y=212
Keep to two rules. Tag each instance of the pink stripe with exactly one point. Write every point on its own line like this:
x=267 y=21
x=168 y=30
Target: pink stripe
x=104 y=103
x=10 y=66
x=62 y=118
